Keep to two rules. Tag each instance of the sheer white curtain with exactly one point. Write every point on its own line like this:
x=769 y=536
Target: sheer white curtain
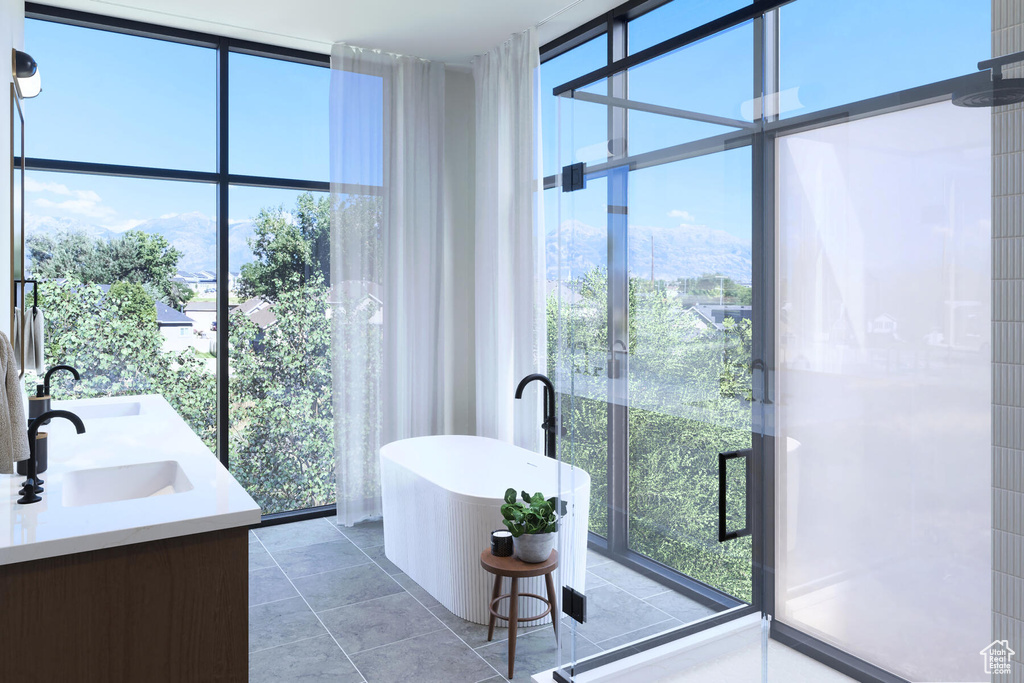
x=387 y=262
x=510 y=326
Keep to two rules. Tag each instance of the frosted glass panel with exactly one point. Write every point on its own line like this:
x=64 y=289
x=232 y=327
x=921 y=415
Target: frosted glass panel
x=883 y=389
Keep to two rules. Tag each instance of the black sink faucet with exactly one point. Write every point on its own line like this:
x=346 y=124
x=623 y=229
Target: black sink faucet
x=32 y=488
x=55 y=368
x=549 y=425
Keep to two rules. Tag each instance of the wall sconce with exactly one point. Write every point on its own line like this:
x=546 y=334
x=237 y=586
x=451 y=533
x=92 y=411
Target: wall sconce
x=26 y=74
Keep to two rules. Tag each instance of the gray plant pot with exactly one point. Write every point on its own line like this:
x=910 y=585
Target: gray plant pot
x=534 y=548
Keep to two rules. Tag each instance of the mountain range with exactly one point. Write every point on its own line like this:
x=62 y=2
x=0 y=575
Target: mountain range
x=193 y=234
x=679 y=252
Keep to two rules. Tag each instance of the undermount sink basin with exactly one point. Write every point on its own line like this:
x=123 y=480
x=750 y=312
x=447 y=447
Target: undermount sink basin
x=126 y=482
x=102 y=410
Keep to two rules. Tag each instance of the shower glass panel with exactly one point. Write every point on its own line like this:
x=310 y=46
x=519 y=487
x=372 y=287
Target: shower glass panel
x=883 y=527
x=690 y=324
x=652 y=347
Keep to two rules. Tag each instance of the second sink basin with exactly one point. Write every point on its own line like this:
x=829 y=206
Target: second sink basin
x=101 y=410
x=125 y=482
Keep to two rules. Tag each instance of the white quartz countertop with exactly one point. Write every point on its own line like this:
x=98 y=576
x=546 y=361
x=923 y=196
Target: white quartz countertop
x=68 y=521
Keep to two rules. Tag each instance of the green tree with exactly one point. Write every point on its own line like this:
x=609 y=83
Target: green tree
x=689 y=399
x=114 y=343
x=282 y=424
x=136 y=257
x=133 y=302
x=289 y=250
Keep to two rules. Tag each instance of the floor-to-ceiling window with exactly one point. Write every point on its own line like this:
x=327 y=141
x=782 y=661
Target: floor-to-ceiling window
x=178 y=224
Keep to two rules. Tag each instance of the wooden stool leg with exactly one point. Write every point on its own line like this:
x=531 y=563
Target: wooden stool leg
x=553 y=601
x=513 y=625
x=494 y=594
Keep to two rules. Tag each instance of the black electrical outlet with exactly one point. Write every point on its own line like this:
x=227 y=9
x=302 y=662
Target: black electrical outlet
x=574 y=604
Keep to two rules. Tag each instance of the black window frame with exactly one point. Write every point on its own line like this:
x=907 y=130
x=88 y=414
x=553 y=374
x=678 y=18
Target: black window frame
x=222 y=177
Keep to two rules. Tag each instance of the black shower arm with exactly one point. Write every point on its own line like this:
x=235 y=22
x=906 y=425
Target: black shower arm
x=997 y=63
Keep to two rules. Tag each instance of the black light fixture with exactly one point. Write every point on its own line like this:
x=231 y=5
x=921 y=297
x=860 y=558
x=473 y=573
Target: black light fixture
x=26 y=74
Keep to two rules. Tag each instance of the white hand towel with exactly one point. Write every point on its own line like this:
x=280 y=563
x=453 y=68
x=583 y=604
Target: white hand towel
x=34 y=352
x=18 y=333
x=13 y=430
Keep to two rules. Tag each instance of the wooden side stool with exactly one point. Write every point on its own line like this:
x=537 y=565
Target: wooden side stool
x=516 y=569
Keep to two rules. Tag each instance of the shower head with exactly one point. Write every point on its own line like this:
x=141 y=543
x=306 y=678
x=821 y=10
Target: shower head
x=995 y=91
x=992 y=94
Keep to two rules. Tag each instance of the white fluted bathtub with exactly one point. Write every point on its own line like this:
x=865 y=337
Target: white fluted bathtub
x=442 y=497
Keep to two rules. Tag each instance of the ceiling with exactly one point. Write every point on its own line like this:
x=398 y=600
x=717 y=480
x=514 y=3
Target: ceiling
x=447 y=30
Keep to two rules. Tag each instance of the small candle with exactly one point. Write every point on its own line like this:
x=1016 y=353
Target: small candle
x=501 y=543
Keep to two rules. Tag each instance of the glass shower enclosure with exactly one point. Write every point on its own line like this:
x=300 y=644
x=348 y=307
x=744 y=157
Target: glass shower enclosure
x=770 y=331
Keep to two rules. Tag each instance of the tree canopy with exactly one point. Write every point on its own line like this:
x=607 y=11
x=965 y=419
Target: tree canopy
x=134 y=256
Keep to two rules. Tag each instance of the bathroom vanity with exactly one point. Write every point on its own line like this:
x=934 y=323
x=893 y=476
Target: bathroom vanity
x=134 y=566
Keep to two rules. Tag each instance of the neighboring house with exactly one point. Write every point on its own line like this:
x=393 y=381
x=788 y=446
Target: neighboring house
x=714 y=315
x=260 y=311
x=204 y=313
x=368 y=295
x=200 y=282
x=883 y=324
x=175 y=327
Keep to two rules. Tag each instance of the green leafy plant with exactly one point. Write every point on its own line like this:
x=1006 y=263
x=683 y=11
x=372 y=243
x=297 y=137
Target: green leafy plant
x=534 y=515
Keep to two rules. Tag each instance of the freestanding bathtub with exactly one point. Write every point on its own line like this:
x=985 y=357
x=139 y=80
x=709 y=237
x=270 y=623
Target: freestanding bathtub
x=442 y=498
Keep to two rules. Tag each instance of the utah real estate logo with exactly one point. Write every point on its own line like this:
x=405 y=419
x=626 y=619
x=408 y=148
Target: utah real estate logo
x=997 y=657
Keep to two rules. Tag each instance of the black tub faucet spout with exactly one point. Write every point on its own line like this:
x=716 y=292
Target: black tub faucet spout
x=550 y=423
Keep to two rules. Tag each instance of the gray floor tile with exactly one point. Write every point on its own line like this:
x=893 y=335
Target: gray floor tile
x=679 y=606
x=437 y=657
x=320 y=557
x=267 y=585
x=314 y=659
x=417 y=591
x=646 y=632
x=475 y=635
x=593 y=580
x=282 y=622
x=612 y=612
x=346 y=586
x=258 y=557
x=535 y=652
x=594 y=559
x=383 y=621
x=376 y=554
x=634 y=583
x=365 y=535
x=295 y=534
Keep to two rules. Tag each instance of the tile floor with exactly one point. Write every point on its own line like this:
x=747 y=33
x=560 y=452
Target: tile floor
x=325 y=604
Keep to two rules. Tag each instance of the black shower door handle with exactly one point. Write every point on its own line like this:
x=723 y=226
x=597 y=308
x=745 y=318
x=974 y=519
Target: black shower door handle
x=723 y=533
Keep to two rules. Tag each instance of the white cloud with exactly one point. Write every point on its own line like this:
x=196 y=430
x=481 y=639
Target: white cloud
x=33 y=185
x=168 y=215
x=679 y=213
x=83 y=207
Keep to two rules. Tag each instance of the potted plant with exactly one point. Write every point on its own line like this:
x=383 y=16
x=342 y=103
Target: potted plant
x=533 y=522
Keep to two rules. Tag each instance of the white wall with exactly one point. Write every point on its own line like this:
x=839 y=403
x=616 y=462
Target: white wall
x=459 y=183
x=12 y=35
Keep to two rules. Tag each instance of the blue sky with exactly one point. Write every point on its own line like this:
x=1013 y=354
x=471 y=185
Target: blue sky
x=831 y=53
x=155 y=106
